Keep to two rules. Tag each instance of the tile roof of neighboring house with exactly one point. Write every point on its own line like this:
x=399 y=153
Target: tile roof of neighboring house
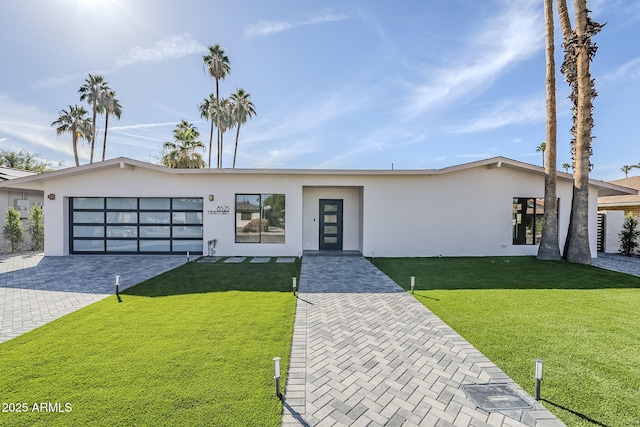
x=628 y=200
x=9 y=173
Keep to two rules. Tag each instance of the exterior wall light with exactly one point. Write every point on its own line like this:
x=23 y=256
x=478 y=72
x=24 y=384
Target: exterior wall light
x=51 y=196
x=211 y=197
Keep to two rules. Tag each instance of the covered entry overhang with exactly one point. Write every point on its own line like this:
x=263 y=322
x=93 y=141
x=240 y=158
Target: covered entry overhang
x=332 y=218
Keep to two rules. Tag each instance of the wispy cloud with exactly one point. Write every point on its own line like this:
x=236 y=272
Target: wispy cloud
x=505 y=114
x=265 y=28
x=57 y=81
x=513 y=36
x=626 y=71
x=173 y=47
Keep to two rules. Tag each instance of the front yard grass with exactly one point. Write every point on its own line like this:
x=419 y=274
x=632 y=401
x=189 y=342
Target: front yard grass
x=193 y=346
x=584 y=322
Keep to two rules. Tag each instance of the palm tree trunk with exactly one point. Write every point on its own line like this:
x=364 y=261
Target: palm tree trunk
x=578 y=250
x=235 y=150
x=210 y=143
x=106 y=127
x=93 y=130
x=74 y=141
x=549 y=248
x=218 y=125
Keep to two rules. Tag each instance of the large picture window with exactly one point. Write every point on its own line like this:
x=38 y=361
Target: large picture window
x=528 y=214
x=260 y=218
x=136 y=225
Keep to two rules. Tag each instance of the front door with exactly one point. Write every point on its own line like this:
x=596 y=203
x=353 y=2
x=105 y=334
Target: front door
x=331 y=224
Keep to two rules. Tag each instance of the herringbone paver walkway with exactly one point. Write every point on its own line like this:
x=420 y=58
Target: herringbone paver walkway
x=366 y=353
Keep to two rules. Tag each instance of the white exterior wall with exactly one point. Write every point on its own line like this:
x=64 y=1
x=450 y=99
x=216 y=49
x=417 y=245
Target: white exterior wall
x=613 y=223
x=467 y=212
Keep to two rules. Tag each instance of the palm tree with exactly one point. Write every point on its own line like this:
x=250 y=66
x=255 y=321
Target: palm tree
x=207 y=111
x=75 y=122
x=181 y=152
x=241 y=110
x=91 y=90
x=626 y=169
x=549 y=248
x=566 y=167
x=110 y=105
x=543 y=145
x=579 y=51
x=217 y=65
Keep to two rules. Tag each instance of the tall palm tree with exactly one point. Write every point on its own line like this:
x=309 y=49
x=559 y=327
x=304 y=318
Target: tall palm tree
x=91 y=91
x=181 y=152
x=75 y=122
x=241 y=109
x=111 y=106
x=217 y=65
x=579 y=51
x=542 y=148
x=549 y=248
x=207 y=111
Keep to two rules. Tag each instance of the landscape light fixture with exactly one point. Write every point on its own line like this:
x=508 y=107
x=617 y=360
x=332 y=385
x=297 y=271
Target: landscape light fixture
x=276 y=369
x=538 y=376
x=188 y=257
x=295 y=280
x=413 y=283
x=117 y=284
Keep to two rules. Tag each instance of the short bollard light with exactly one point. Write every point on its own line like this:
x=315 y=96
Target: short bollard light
x=188 y=257
x=117 y=284
x=538 y=376
x=413 y=283
x=276 y=369
x=295 y=284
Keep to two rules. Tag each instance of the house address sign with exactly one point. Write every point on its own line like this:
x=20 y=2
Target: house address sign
x=220 y=210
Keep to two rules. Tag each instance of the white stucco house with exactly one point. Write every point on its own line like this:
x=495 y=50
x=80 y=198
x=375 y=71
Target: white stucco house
x=488 y=207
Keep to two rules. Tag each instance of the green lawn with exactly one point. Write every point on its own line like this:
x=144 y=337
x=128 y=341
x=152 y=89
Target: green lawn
x=584 y=322
x=193 y=346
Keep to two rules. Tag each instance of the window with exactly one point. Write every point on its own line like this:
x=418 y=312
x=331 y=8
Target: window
x=528 y=216
x=134 y=225
x=260 y=218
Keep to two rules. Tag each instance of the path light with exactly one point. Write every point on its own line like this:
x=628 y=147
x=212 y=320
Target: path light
x=117 y=284
x=295 y=280
x=538 y=376
x=188 y=256
x=413 y=283
x=276 y=369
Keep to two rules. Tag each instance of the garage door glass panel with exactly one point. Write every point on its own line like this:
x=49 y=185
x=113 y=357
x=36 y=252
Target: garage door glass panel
x=155 y=218
x=155 y=231
x=155 y=204
x=122 y=246
x=122 y=231
x=88 y=245
x=122 y=217
x=88 y=231
x=155 y=246
x=189 y=204
x=122 y=203
x=88 y=203
x=187 y=217
x=88 y=217
x=187 y=245
x=187 y=231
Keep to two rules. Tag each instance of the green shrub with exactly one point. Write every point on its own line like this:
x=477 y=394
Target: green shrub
x=13 y=230
x=36 y=227
x=629 y=235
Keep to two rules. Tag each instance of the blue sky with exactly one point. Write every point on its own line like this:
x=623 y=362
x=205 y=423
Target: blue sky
x=336 y=84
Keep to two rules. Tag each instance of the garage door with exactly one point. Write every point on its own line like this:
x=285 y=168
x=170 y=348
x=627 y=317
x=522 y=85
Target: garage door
x=126 y=225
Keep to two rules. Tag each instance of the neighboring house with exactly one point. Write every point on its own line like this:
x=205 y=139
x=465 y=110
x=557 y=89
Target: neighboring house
x=488 y=207
x=20 y=199
x=625 y=202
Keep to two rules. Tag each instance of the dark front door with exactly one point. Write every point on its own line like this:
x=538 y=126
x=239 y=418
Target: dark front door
x=331 y=224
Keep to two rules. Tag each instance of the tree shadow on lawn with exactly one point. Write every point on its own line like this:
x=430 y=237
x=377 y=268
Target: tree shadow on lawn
x=196 y=278
x=500 y=273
